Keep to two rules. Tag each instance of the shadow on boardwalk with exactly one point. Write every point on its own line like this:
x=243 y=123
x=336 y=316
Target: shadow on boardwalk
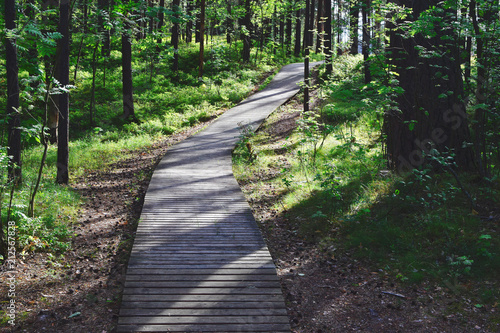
x=199 y=263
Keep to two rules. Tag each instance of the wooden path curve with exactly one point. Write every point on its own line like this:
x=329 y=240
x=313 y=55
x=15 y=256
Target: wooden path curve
x=199 y=262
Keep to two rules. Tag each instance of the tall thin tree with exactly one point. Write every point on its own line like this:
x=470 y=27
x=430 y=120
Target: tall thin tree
x=14 y=120
x=246 y=38
x=175 y=33
x=328 y=36
x=201 y=39
x=63 y=63
x=127 y=84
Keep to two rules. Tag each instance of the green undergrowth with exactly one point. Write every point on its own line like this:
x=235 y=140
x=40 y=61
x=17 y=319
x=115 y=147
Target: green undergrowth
x=165 y=102
x=328 y=178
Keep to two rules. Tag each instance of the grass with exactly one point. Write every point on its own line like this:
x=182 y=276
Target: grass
x=328 y=178
x=165 y=103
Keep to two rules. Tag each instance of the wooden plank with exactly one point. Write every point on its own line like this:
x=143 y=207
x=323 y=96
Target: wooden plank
x=199 y=305
x=199 y=284
x=154 y=265
x=254 y=328
x=221 y=271
x=202 y=298
x=201 y=277
x=135 y=312
x=202 y=291
x=201 y=320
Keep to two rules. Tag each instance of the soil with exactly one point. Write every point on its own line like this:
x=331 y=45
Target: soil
x=324 y=291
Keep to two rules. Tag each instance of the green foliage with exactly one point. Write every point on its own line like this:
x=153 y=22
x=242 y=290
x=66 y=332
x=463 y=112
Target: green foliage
x=415 y=227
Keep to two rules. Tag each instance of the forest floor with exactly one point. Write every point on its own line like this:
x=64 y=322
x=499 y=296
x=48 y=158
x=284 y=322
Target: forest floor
x=80 y=290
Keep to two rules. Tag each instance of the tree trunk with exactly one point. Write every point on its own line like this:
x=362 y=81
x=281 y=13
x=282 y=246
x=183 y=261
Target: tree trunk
x=246 y=38
x=298 y=23
x=202 y=40
x=198 y=34
x=128 y=99
x=189 y=23
x=13 y=120
x=175 y=34
x=306 y=57
x=339 y=28
x=431 y=111
x=354 y=15
x=312 y=8
x=366 y=40
x=63 y=129
x=320 y=26
x=229 y=23
x=328 y=36
x=161 y=19
x=288 y=32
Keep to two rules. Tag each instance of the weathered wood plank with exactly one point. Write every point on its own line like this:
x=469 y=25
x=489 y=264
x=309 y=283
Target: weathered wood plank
x=201 y=277
x=199 y=284
x=202 y=298
x=230 y=328
x=199 y=305
x=135 y=312
x=220 y=271
x=183 y=320
x=202 y=291
x=201 y=266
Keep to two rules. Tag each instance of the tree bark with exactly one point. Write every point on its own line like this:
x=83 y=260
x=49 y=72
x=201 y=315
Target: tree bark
x=246 y=38
x=366 y=40
x=354 y=23
x=306 y=57
x=63 y=129
x=128 y=99
x=328 y=36
x=161 y=19
x=312 y=8
x=288 y=32
x=189 y=23
x=202 y=40
x=298 y=24
x=175 y=34
x=198 y=34
x=320 y=26
x=431 y=111
x=13 y=120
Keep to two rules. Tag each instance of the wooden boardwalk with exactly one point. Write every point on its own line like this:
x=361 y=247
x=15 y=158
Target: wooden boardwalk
x=199 y=263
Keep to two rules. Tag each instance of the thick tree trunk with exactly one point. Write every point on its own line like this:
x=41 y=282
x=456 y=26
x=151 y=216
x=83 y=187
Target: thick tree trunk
x=431 y=111
x=63 y=130
x=13 y=120
x=128 y=99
